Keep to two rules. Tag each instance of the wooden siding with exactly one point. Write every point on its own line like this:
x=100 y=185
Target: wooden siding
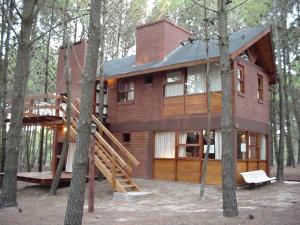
x=164 y=169
x=188 y=170
x=191 y=104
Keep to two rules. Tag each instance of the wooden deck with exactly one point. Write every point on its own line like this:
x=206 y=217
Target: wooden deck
x=42 y=178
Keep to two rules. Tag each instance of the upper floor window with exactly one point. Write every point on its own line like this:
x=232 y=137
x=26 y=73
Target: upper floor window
x=125 y=90
x=260 y=87
x=174 y=85
x=240 y=80
x=196 y=80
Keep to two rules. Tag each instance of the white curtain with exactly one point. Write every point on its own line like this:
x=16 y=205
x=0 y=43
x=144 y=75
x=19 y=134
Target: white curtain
x=174 y=90
x=263 y=147
x=70 y=157
x=182 y=140
x=196 y=79
x=218 y=144
x=165 y=145
x=215 y=78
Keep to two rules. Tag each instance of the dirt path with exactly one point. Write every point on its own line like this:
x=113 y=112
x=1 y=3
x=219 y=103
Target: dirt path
x=170 y=204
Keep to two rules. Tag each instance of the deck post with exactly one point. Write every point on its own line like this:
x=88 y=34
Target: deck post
x=113 y=171
x=91 y=176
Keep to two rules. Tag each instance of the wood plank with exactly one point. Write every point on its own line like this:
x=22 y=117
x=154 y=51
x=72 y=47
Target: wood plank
x=214 y=172
x=216 y=102
x=195 y=104
x=173 y=106
x=188 y=170
x=164 y=169
x=241 y=167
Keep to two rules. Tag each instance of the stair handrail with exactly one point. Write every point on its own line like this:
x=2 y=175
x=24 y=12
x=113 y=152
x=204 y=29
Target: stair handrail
x=114 y=139
x=102 y=140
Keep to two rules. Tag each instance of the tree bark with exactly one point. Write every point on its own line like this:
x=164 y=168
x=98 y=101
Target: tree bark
x=74 y=210
x=8 y=197
x=63 y=155
x=230 y=208
x=208 y=130
x=277 y=27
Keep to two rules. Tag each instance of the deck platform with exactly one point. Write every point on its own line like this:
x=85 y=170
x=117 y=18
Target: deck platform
x=42 y=178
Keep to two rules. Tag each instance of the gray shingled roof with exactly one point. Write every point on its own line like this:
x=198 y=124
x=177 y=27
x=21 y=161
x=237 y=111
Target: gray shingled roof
x=187 y=53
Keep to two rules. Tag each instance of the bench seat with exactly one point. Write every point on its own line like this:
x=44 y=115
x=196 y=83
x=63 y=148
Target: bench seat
x=256 y=177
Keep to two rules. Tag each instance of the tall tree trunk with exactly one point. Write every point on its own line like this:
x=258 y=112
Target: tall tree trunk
x=8 y=197
x=74 y=210
x=208 y=130
x=102 y=52
x=230 y=208
x=273 y=112
x=4 y=83
x=66 y=44
x=277 y=27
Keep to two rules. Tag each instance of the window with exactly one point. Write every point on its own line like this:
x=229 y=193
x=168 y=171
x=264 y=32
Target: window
x=242 y=145
x=263 y=147
x=126 y=137
x=148 y=79
x=165 y=145
x=240 y=80
x=196 y=80
x=174 y=84
x=215 y=149
x=125 y=90
x=253 y=147
x=189 y=145
x=260 y=87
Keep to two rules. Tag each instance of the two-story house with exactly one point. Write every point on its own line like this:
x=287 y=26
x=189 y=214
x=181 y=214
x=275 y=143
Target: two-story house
x=156 y=100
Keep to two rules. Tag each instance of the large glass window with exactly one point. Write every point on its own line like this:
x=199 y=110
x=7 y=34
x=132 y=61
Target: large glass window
x=125 y=90
x=189 y=145
x=215 y=149
x=174 y=84
x=196 y=80
x=165 y=144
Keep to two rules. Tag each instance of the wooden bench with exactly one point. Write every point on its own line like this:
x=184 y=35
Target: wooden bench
x=256 y=177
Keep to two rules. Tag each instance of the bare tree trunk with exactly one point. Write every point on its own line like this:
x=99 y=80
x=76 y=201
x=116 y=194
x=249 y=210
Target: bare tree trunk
x=66 y=44
x=8 y=197
x=230 y=208
x=277 y=27
x=208 y=130
x=102 y=49
x=74 y=210
x=4 y=83
x=273 y=112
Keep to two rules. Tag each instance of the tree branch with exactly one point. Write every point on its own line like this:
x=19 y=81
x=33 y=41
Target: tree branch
x=238 y=5
x=57 y=25
x=209 y=9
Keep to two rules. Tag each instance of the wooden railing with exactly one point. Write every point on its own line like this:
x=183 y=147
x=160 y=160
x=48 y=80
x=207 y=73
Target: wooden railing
x=40 y=105
x=102 y=146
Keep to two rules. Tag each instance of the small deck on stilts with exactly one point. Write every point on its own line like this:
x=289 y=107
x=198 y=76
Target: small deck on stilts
x=43 y=178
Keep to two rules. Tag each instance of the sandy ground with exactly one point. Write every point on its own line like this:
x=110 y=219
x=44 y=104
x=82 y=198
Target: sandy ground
x=170 y=204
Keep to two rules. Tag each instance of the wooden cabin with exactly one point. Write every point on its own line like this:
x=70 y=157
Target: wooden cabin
x=156 y=101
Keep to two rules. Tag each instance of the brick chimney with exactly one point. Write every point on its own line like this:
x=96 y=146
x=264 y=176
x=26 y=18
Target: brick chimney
x=157 y=39
x=77 y=55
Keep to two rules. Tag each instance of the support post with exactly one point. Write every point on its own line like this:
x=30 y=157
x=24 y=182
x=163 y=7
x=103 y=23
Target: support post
x=91 y=184
x=113 y=171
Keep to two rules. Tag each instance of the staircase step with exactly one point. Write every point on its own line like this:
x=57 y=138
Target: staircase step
x=129 y=186
x=123 y=180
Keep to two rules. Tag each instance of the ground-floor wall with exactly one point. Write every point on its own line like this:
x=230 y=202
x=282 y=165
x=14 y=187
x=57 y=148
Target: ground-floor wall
x=142 y=146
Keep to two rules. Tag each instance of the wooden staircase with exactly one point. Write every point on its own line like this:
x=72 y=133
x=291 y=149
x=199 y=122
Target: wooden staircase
x=108 y=160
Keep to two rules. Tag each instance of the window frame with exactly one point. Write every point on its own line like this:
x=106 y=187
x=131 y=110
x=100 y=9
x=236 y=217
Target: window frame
x=126 y=91
x=178 y=145
x=181 y=81
x=240 y=80
x=260 y=88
